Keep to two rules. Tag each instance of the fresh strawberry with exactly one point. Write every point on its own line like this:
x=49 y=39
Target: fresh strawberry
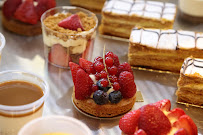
x=72 y=22
x=26 y=12
x=116 y=60
x=10 y=7
x=140 y=132
x=153 y=121
x=181 y=131
x=74 y=69
x=163 y=105
x=87 y=66
x=44 y=5
x=175 y=114
x=58 y=56
x=124 y=67
x=129 y=121
x=127 y=84
x=83 y=85
x=187 y=123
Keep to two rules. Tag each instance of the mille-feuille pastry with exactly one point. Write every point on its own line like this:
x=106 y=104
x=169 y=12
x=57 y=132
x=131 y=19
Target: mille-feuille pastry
x=93 y=5
x=163 y=49
x=190 y=83
x=120 y=16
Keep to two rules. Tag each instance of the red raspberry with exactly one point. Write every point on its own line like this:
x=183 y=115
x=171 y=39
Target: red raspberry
x=103 y=74
x=98 y=76
x=113 y=78
x=124 y=67
x=109 y=61
x=109 y=54
x=98 y=66
x=116 y=86
x=127 y=84
x=98 y=58
x=104 y=82
x=94 y=87
x=112 y=70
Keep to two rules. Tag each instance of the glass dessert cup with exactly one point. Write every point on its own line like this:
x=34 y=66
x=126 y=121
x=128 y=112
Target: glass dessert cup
x=55 y=124
x=2 y=44
x=12 y=118
x=79 y=45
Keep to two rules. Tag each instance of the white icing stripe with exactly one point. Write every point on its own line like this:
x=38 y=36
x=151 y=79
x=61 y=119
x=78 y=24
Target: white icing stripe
x=147 y=9
x=192 y=66
x=167 y=39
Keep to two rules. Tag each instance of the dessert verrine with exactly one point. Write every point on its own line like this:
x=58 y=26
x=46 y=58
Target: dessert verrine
x=191 y=10
x=104 y=88
x=68 y=34
x=23 y=16
x=158 y=119
x=22 y=98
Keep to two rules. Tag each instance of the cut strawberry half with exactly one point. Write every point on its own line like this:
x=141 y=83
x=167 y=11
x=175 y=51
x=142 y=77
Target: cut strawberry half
x=163 y=105
x=175 y=114
x=44 y=5
x=87 y=65
x=72 y=23
x=82 y=86
x=26 y=12
x=140 y=132
x=129 y=122
x=58 y=56
x=74 y=69
x=9 y=7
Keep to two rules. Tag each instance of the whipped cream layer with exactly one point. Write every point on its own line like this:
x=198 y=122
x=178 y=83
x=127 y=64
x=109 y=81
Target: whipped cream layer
x=11 y=125
x=192 y=7
x=142 y=8
x=167 y=39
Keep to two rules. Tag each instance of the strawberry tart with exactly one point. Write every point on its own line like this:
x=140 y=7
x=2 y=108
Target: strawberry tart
x=157 y=119
x=68 y=34
x=104 y=88
x=23 y=16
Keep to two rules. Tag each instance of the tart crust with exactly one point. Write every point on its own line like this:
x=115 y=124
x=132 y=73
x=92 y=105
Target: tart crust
x=21 y=28
x=107 y=110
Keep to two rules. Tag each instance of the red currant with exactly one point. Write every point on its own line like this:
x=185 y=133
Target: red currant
x=98 y=66
x=109 y=61
x=109 y=54
x=116 y=86
x=98 y=76
x=103 y=74
x=94 y=87
x=104 y=82
x=113 y=78
x=98 y=58
x=112 y=70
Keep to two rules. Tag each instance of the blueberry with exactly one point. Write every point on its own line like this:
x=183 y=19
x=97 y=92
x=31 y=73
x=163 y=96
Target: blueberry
x=100 y=97
x=105 y=89
x=115 y=97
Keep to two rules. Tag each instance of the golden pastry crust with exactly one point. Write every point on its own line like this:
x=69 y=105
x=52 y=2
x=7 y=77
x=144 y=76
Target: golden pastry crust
x=108 y=110
x=21 y=28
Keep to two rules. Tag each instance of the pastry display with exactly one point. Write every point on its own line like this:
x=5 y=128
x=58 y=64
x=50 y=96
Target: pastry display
x=23 y=16
x=163 y=49
x=191 y=10
x=119 y=16
x=190 y=81
x=157 y=119
x=68 y=35
x=93 y=5
x=104 y=88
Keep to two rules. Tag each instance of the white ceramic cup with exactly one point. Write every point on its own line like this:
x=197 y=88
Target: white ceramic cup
x=55 y=124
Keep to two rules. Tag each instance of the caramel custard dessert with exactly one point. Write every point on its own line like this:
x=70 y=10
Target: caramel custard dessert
x=18 y=93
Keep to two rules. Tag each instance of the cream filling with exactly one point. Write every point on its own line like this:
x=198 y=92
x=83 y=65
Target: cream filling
x=192 y=7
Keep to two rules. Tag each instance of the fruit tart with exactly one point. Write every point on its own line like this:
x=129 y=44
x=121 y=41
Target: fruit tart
x=157 y=119
x=103 y=88
x=23 y=16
